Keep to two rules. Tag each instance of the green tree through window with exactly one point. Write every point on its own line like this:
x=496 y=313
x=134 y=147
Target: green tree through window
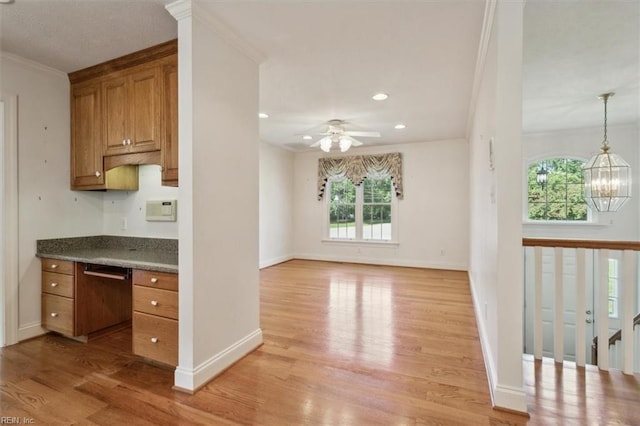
x=360 y=212
x=561 y=197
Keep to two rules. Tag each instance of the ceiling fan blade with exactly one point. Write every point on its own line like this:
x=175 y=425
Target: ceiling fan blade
x=354 y=142
x=362 y=134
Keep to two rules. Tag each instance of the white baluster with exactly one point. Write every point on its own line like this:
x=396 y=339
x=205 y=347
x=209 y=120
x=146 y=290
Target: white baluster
x=537 y=306
x=558 y=308
x=627 y=299
x=602 y=315
x=581 y=308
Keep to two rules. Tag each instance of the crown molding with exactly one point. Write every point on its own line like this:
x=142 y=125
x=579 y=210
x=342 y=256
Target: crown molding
x=183 y=9
x=32 y=64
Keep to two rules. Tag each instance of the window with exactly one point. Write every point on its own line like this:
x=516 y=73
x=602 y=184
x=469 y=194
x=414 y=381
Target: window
x=613 y=288
x=361 y=212
x=561 y=196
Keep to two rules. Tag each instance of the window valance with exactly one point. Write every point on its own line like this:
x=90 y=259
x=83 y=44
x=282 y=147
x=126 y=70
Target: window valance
x=358 y=167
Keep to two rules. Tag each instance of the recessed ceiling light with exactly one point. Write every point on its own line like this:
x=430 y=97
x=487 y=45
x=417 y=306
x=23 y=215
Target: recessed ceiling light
x=263 y=115
x=307 y=137
x=399 y=126
x=379 y=96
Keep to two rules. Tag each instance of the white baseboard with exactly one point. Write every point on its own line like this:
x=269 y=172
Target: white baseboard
x=383 y=261
x=191 y=379
x=501 y=396
x=29 y=331
x=275 y=260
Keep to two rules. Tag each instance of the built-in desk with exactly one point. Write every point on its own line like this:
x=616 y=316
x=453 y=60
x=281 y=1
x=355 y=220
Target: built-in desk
x=92 y=285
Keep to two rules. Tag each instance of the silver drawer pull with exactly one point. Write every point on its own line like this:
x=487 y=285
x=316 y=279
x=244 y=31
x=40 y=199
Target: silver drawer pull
x=154 y=280
x=53 y=266
x=98 y=174
x=154 y=340
x=54 y=314
x=154 y=303
x=54 y=284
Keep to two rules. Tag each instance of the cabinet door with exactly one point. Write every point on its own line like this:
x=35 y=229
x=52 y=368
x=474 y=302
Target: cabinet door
x=114 y=92
x=170 y=141
x=144 y=110
x=86 y=137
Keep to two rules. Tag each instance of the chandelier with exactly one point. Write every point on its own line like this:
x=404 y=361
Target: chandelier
x=607 y=177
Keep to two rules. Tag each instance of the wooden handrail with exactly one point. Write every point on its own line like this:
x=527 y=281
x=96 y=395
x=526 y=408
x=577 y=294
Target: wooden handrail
x=612 y=340
x=588 y=244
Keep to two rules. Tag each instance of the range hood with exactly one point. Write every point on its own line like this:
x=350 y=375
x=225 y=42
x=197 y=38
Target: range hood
x=121 y=171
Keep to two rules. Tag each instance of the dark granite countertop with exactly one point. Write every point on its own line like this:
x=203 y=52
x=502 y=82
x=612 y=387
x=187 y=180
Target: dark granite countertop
x=153 y=254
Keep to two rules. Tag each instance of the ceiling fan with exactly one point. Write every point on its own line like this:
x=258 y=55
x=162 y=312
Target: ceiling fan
x=337 y=134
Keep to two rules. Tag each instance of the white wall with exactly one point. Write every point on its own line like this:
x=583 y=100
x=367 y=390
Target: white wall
x=496 y=198
x=276 y=205
x=219 y=160
x=130 y=206
x=47 y=207
x=433 y=216
x=583 y=144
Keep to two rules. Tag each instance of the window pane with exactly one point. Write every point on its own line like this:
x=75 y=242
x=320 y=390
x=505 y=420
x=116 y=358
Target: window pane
x=342 y=221
x=344 y=191
x=377 y=222
x=342 y=210
x=561 y=197
x=377 y=190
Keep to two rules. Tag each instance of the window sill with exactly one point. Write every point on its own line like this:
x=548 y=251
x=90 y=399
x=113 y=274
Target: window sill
x=371 y=243
x=531 y=223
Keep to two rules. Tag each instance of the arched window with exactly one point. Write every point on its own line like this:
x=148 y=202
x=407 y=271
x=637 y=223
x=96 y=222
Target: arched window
x=555 y=190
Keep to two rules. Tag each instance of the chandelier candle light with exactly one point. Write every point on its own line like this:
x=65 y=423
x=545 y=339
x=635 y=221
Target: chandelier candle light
x=607 y=177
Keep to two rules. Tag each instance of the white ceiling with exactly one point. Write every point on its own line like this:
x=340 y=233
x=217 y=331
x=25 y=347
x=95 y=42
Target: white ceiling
x=324 y=59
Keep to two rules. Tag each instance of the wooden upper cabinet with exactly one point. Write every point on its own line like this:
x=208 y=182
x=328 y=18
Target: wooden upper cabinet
x=124 y=113
x=86 y=136
x=132 y=105
x=170 y=134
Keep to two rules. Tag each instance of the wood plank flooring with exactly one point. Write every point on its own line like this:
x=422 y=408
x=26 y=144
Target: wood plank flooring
x=344 y=344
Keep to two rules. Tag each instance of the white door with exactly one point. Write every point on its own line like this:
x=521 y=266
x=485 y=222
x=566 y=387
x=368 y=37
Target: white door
x=569 y=296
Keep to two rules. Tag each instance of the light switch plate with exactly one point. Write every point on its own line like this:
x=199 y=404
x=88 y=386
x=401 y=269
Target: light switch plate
x=161 y=210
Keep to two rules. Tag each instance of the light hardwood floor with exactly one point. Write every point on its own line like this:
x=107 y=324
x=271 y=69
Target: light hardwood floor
x=344 y=344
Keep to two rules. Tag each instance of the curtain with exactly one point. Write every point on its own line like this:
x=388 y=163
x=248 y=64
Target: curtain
x=358 y=167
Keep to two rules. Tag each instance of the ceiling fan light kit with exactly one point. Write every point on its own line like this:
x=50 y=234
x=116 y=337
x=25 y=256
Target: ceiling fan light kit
x=337 y=134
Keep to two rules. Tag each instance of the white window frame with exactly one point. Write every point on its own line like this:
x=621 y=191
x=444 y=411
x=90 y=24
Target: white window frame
x=359 y=218
x=592 y=216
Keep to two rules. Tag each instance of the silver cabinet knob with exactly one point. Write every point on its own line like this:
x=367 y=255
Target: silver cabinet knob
x=98 y=174
x=588 y=320
x=54 y=266
x=54 y=314
x=154 y=280
x=54 y=284
x=128 y=141
x=154 y=303
x=588 y=312
x=124 y=142
x=154 y=340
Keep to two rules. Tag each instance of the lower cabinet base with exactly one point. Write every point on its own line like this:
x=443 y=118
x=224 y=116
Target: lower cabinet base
x=156 y=338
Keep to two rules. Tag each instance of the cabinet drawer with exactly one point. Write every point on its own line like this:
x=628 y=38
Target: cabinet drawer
x=59 y=284
x=153 y=279
x=59 y=266
x=57 y=314
x=155 y=338
x=155 y=301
